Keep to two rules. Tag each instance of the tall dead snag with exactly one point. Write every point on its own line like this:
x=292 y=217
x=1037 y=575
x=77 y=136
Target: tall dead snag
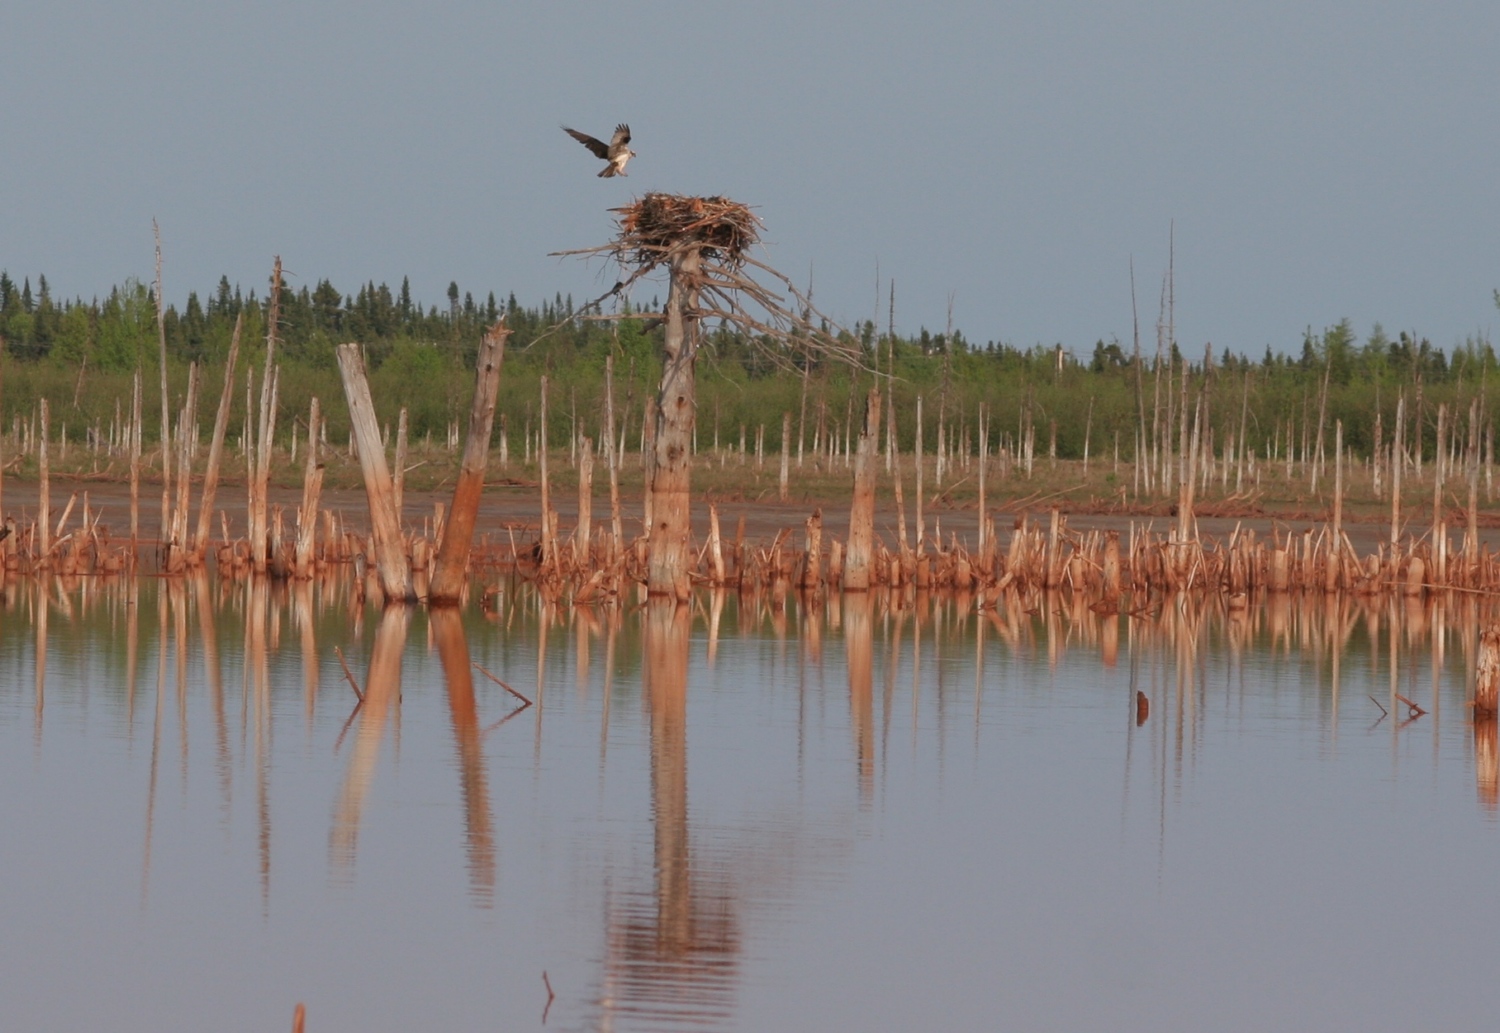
x=676 y=408
x=166 y=415
x=174 y=545
x=862 y=511
x=385 y=528
x=617 y=531
x=312 y=487
x=582 y=534
x=135 y=463
x=44 y=491
x=260 y=472
x=703 y=244
x=786 y=438
x=216 y=448
x=458 y=529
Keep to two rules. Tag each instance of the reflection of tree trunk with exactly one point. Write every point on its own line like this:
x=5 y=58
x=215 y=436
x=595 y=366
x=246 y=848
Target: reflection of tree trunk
x=302 y=599
x=206 y=613
x=453 y=649
x=676 y=407
x=861 y=681
x=666 y=675
x=1487 y=673
x=672 y=954
x=382 y=691
x=258 y=687
x=1486 y=764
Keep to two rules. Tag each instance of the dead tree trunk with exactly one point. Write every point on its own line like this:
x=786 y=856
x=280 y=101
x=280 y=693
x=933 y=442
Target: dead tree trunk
x=260 y=476
x=312 y=488
x=135 y=463
x=44 y=493
x=786 y=438
x=166 y=414
x=398 y=474
x=385 y=527
x=458 y=529
x=549 y=536
x=216 y=447
x=617 y=530
x=175 y=551
x=862 y=512
x=812 y=575
x=583 y=532
x=671 y=527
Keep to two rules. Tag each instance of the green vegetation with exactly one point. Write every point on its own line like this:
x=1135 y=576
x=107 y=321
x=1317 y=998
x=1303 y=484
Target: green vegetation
x=82 y=355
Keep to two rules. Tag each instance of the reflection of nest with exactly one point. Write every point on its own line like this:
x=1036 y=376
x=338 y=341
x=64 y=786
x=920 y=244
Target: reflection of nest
x=660 y=224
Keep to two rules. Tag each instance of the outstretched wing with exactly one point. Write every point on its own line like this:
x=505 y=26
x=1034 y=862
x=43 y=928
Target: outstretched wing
x=618 y=142
x=597 y=146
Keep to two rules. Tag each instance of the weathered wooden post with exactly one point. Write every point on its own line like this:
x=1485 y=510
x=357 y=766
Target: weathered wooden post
x=385 y=528
x=862 y=510
x=458 y=529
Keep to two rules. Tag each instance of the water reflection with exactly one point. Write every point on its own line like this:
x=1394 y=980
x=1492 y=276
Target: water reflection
x=792 y=778
x=671 y=953
x=381 y=696
x=479 y=833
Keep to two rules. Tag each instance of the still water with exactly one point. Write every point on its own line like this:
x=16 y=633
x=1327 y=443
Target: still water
x=873 y=814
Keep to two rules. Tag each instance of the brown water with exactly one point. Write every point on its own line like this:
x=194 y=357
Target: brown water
x=870 y=815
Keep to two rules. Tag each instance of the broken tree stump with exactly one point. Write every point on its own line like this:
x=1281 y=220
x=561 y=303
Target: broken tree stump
x=458 y=528
x=391 y=563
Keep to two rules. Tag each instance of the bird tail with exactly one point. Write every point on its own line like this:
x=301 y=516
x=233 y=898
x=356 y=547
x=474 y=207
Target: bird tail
x=609 y=170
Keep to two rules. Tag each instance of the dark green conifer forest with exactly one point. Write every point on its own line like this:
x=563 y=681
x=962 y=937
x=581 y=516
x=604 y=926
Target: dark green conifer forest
x=81 y=354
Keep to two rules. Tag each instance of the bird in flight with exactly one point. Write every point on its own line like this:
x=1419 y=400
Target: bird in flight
x=617 y=152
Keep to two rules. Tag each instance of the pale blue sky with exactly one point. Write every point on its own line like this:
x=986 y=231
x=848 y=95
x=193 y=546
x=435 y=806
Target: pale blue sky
x=1321 y=158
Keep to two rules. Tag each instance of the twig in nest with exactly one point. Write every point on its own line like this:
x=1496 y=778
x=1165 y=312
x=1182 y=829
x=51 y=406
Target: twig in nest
x=500 y=683
x=348 y=674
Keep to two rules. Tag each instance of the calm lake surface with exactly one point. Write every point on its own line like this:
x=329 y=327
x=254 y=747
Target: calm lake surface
x=874 y=814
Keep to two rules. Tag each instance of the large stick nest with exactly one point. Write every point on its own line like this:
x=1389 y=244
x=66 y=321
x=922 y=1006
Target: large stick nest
x=660 y=225
x=658 y=228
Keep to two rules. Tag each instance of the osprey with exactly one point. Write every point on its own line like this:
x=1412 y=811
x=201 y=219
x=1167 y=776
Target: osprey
x=616 y=152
